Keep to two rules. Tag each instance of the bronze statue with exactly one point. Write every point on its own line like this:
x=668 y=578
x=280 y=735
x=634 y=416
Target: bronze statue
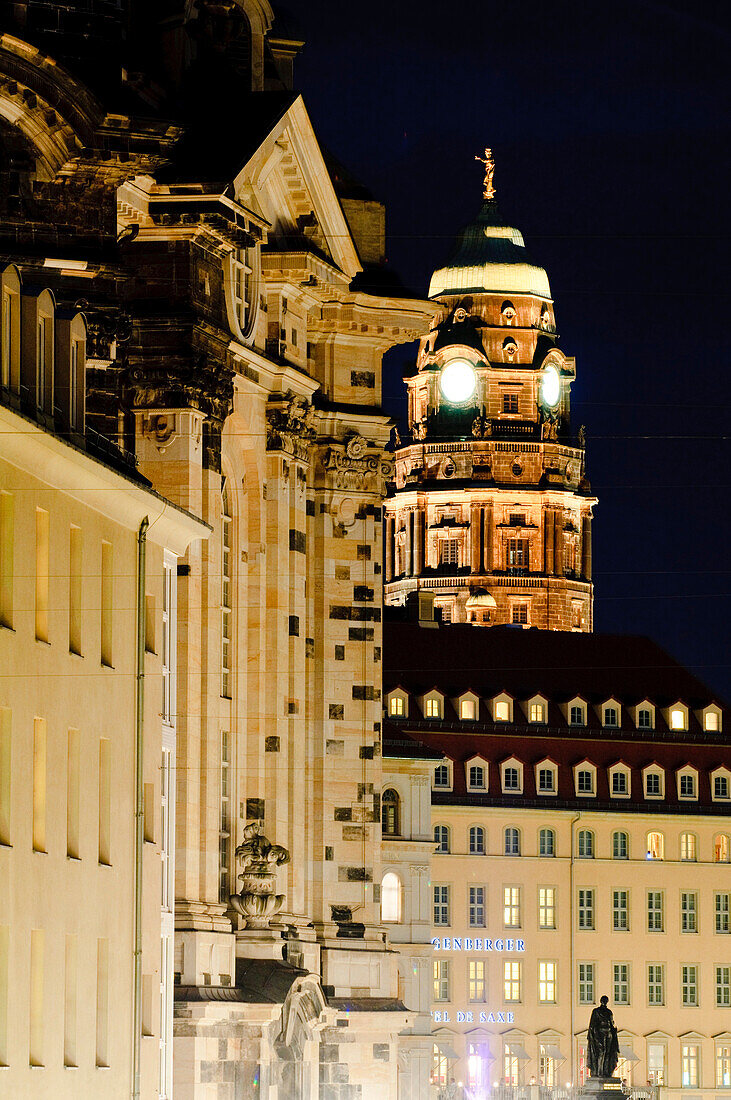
x=602 y=1041
x=488 y=190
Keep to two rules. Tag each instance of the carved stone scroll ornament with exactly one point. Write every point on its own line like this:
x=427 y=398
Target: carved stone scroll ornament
x=353 y=465
x=291 y=425
x=257 y=901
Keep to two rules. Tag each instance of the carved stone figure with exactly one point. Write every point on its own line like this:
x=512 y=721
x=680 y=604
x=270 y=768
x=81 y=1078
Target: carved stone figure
x=256 y=901
x=549 y=429
x=581 y=435
x=420 y=429
x=291 y=425
x=488 y=190
x=602 y=1041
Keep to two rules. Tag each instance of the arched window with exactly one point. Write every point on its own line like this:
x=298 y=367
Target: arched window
x=655 y=846
x=477 y=840
x=441 y=838
x=390 y=807
x=441 y=775
x=45 y=352
x=546 y=842
x=10 y=324
x=721 y=848
x=586 y=844
x=507 y=313
x=644 y=718
x=391 y=898
x=688 y=847
x=620 y=845
x=477 y=777
x=512 y=841
x=226 y=595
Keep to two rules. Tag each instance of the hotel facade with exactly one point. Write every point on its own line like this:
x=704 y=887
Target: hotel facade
x=580 y=814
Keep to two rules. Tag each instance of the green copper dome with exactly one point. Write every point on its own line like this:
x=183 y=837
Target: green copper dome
x=489 y=257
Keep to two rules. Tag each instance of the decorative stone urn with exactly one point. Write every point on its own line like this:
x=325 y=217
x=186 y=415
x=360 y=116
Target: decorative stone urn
x=256 y=901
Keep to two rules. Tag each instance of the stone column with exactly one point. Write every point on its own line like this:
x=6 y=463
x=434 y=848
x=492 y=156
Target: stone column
x=409 y=555
x=586 y=548
x=558 y=542
x=487 y=540
x=418 y=542
x=548 y=525
x=388 y=549
x=475 y=524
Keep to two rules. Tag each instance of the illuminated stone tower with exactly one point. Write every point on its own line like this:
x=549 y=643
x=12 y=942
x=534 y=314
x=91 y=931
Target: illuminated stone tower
x=492 y=509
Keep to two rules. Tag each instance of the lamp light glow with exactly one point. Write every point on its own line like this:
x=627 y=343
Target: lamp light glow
x=458 y=381
x=550 y=387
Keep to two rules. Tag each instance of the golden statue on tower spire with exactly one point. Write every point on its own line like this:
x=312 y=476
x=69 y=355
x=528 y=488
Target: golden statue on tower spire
x=488 y=191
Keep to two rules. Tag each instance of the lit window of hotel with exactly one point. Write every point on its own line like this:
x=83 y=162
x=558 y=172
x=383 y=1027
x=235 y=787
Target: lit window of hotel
x=721 y=905
x=711 y=720
x=678 y=719
x=655 y=984
x=511 y=907
x=687 y=784
x=512 y=982
x=585 y=845
x=721 y=848
x=477 y=980
x=546 y=982
x=391 y=898
x=433 y=706
x=655 y=911
x=467 y=710
x=621 y=983
x=723 y=1065
x=546 y=907
x=477 y=906
x=397 y=706
x=441 y=979
x=657 y=1057
x=441 y=905
x=655 y=846
x=477 y=840
x=689 y=984
x=586 y=983
x=620 y=845
x=441 y=838
x=688 y=847
x=547 y=842
x=723 y=986
x=644 y=719
x=654 y=780
x=502 y=710
x=537 y=712
x=442 y=777
x=511 y=839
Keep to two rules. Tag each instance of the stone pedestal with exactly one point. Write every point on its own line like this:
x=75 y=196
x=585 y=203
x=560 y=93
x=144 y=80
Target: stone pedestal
x=604 y=1086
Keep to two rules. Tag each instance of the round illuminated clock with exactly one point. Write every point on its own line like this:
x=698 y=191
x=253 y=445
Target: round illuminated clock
x=550 y=387
x=458 y=382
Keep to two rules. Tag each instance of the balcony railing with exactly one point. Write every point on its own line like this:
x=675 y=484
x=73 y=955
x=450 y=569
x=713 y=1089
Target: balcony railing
x=531 y=1092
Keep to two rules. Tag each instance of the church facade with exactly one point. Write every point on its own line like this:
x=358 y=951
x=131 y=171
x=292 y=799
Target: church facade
x=492 y=508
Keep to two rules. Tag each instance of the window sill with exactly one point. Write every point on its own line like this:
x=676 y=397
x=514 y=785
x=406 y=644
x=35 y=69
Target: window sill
x=11 y=630
x=73 y=859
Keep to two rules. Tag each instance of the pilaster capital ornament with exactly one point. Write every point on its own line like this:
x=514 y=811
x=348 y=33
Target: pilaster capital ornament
x=357 y=464
x=291 y=425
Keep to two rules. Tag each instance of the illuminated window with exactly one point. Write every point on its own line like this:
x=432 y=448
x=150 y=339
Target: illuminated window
x=620 y=910
x=586 y=983
x=585 y=844
x=441 y=905
x=577 y=716
x=657 y=1063
x=391 y=898
x=441 y=775
x=477 y=840
x=441 y=838
x=546 y=780
x=537 y=712
x=226 y=583
x=511 y=838
x=710 y=721
x=688 y=847
x=477 y=980
x=621 y=983
x=449 y=551
x=440 y=1066
x=547 y=842
x=586 y=909
x=477 y=906
x=677 y=719
x=655 y=984
x=434 y=707
x=644 y=719
x=723 y=986
x=396 y=706
x=502 y=711
x=224 y=820
x=620 y=845
x=510 y=402
x=518 y=555
x=511 y=907
x=655 y=911
x=519 y=614
x=723 y=1065
x=441 y=979
x=467 y=710
x=546 y=907
x=655 y=846
x=477 y=777
x=689 y=984
x=546 y=982
x=512 y=982
x=721 y=903
x=720 y=848
x=241 y=274
x=390 y=806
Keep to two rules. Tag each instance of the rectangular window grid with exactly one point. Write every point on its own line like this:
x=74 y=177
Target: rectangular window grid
x=689 y=984
x=621 y=983
x=688 y=911
x=546 y=907
x=546 y=982
x=441 y=979
x=511 y=982
x=655 y=984
x=654 y=911
x=722 y=912
x=511 y=907
x=477 y=980
x=441 y=905
x=620 y=910
x=586 y=983
x=723 y=986
x=586 y=909
x=477 y=906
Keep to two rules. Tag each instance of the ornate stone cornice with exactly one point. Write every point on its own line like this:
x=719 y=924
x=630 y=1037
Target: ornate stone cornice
x=291 y=425
x=356 y=464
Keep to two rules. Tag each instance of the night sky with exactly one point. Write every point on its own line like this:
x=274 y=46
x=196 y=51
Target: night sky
x=610 y=125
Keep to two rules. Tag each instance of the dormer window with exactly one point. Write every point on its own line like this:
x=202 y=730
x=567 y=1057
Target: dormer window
x=468 y=706
x=442 y=777
x=512 y=776
x=433 y=703
x=577 y=715
x=537 y=710
x=546 y=777
x=510 y=349
x=610 y=715
x=644 y=718
x=721 y=785
x=585 y=780
x=678 y=718
x=397 y=704
x=619 y=781
x=654 y=781
x=687 y=783
x=477 y=777
x=712 y=719
x=502 y=709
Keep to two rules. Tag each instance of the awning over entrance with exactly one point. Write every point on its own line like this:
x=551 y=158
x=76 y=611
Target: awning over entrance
x=627 y=1054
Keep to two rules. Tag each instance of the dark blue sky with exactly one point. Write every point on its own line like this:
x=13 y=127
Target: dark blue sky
x=611 y=128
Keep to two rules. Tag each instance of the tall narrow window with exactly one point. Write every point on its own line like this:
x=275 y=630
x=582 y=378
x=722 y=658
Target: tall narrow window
x=167 y=804
x=75 y=590
x=226 y=581
x=76 y=367
x=390 y=804
x=449 y=552
x=35 y=1052
x=42 y=554
x=621 y=983
x=42 y=335
x=546 y=981
x=721 y=902
x=723 y=986
x=6 y=559
x=547 y=842
x=655 y=917
x=477 y=980
x=4 y=991
x=441 y=979
x=586 y=983
x=657 y=1063
x=167 y=646
x=689 y=984
x=689 y=1058
x=69 y=1002
x=512 y=982
x=688 y=911
x=391 y=898
x=73 y=775
x=723 y=1065
x=655 y=984
x=5 y=772
x=511 y=907
x=106 y=604
x=39 y=785
x=7 y=339
x=620 y=910
x=105 y=791
x=224 y=827
x=441 y=904
x=586 y=909
x=546 y=907
x=166 y=1016
x=102 y=1002
x=476 y=901
x=518 y=558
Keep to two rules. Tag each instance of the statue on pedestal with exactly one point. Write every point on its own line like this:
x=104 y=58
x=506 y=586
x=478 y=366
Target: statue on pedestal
x=602 y=1041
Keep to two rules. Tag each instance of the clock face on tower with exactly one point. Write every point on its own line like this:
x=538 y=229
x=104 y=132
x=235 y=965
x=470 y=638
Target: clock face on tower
x=458 y=382
x=550 y=387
